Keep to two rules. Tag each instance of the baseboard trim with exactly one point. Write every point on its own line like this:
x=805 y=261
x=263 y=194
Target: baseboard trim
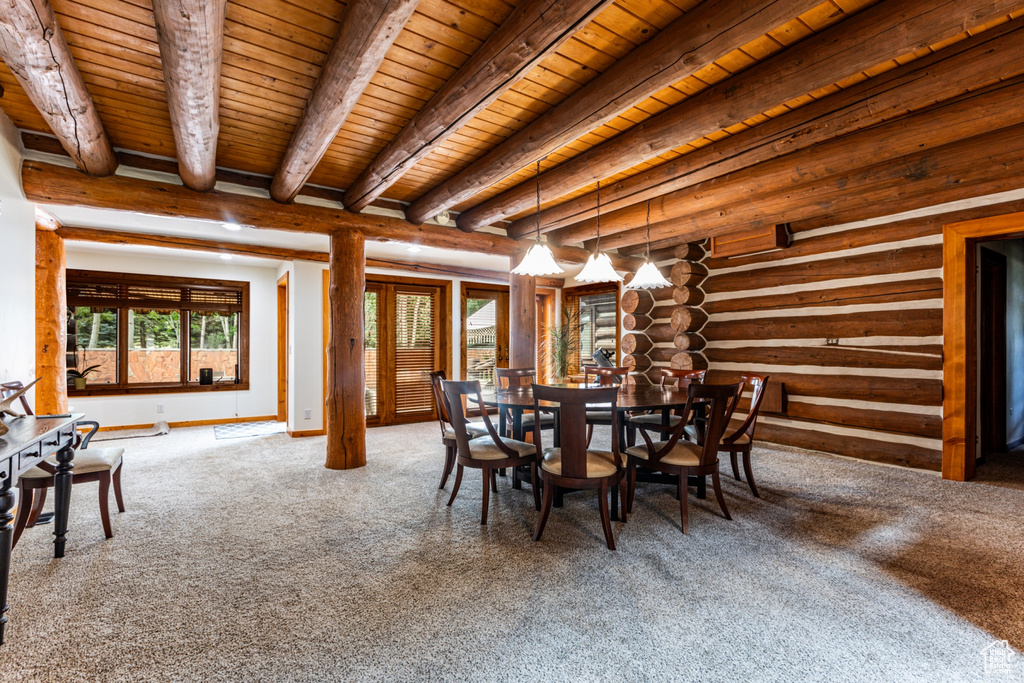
x=299 y=434
x=196 y=423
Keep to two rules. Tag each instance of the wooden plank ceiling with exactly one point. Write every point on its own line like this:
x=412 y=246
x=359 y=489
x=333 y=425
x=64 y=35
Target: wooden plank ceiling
x=274 y=52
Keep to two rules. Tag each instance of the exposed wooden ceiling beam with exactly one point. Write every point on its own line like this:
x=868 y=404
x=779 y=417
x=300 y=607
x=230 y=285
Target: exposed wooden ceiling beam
x=33 y=47
x=368 y=28
x=978 y=61
x=533 y=30
x=191 y=37
x=969 y=168
x=51 y=184
x=991 y=108
x=872 y=37
x=698 y=38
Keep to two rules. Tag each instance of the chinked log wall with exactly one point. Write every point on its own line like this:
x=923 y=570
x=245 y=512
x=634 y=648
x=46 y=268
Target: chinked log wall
x=877 y=394
x=662 y=325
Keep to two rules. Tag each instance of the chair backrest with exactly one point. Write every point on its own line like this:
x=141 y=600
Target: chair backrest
x=572 y=420
x=515 y=377
x=680 y=378
x=11 y=388
x=759 y=382
x=606 y=377
x=440 y=403
x=454 y=395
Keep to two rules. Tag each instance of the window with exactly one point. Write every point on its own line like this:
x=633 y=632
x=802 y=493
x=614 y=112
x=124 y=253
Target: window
x=152 y=334
x=594 y=311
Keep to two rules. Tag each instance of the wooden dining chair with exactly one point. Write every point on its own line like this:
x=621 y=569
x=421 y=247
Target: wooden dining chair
x=604 y=377
x=573 y=464
x=522 y=377
x=740 y=441
x=101 y=465
x=682 y=458
x=488 y=453
x=655 y=421
x=475 y=429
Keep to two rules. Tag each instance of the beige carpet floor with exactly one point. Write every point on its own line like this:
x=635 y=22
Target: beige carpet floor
x=246 y=560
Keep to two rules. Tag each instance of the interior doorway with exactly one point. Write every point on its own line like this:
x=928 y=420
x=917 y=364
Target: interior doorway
x=992 y=365
x=282 y=349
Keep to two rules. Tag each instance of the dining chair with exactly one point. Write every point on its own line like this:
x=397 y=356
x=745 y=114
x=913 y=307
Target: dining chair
x=573 y=464
x=655 y=421
x=604 y=377
x=489 y=452
x=475 y=429
x=102 y=465
x=683 y=458
x=522 y=377
x=740 y=441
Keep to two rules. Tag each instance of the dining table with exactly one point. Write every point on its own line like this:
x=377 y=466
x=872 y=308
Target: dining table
x=512 y=402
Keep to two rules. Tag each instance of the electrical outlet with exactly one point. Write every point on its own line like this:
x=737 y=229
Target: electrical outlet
x=831 y=342
x=159 y=407
x=309 y=414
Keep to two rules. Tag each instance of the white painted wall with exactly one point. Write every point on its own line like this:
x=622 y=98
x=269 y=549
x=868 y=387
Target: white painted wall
x=17 y=234
x=259 y=400
x=306 y=338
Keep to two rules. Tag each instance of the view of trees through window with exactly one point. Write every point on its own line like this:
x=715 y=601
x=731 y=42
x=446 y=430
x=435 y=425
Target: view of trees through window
x=95 y=342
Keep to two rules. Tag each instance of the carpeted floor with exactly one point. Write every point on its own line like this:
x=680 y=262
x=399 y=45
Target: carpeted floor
x=247 y=560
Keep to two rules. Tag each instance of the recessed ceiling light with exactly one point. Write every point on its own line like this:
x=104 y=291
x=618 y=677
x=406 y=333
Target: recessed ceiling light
x=413 y=249
x=226 y=257
x=231 y=226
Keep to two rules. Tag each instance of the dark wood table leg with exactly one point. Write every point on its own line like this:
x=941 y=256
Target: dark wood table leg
x=557 y=498
x=62 y=498
x=6 y=534
x=702 y=487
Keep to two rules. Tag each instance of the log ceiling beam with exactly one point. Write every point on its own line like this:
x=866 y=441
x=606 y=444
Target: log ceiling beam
x=966 y=116
x=534 y=30
x=33 y=47
x=191 y=38
x=874 y=36
x=368 y=29
x=698 y=38
x=969 y=168
x=58 y=185
x=978 y=61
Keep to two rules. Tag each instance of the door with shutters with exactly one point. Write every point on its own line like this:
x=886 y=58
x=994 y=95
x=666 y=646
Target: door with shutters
x=485 y=331
x=407 y=337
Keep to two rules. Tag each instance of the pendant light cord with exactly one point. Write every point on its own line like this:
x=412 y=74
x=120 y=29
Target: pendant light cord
x=647 y=254
x=597 y=247
x=538 y=200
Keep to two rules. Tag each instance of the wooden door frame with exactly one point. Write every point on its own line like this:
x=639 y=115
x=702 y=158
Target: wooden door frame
x=463 y=289
x=282 y=348
x=959 y=337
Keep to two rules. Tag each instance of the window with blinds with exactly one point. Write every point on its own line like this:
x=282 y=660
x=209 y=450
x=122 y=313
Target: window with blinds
x=415 y=352
x=143 y=333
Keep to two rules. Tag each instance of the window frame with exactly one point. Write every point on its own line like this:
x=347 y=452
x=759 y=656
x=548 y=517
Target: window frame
x=121 y=306
x=576 y=293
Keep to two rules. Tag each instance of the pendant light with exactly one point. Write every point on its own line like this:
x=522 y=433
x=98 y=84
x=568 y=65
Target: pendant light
x=648 y=276
x=538 y=260
x=599 y=266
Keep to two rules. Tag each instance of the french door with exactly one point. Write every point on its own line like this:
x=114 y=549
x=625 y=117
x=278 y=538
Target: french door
x=406 y=338
x=484 y=331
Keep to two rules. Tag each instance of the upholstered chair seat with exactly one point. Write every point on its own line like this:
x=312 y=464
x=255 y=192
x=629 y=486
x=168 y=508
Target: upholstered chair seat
x=484 y=448
x=85 y=461
x=599 y=463
x=546 y=420
x=474 y=429
x=691 y=432
x=684 y=454
x=654 y=420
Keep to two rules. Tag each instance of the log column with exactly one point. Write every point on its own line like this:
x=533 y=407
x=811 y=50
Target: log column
x=51 y=323
x=688 y=318
x=346 y=420
x=523 y=323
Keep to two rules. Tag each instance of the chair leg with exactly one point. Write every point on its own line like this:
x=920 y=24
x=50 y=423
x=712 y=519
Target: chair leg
x=545 y=510
x=536 y=485
x=455 y=488
x=606 y=522
x=623 y=489
x=630 y=436
x=494 y=480
x=717 y=484
x=488 y=474
x=38 y=501
x=749 y=474
x=449 y=461
x=735 y=466
x=590 y=434
x=104 y=488
x=684 y=494
x=24 y=507
x=632 y=486
x=117 y=484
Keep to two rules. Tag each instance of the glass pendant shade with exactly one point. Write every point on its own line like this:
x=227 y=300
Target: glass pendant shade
x=598 y=269
x=648 y=277
x=538 y=261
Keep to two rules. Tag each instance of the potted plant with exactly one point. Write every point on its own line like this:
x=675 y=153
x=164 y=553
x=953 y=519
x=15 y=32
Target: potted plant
x=564 y=343
x=79 y=377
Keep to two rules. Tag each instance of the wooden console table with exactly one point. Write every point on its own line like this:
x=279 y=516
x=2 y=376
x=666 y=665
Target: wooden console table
x=32 y=439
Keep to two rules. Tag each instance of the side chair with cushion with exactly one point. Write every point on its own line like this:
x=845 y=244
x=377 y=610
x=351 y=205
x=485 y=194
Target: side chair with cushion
x=523 y=377
x=102 y=465
x=604 y=377
x=488 y=453
x=683 y=458
x=655 y=421
x=573 y=465
x=742 y=440
x=475 y=429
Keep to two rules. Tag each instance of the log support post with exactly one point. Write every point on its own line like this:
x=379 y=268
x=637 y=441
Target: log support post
x=51 y=323
x=523 y=322
x=346 y=419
